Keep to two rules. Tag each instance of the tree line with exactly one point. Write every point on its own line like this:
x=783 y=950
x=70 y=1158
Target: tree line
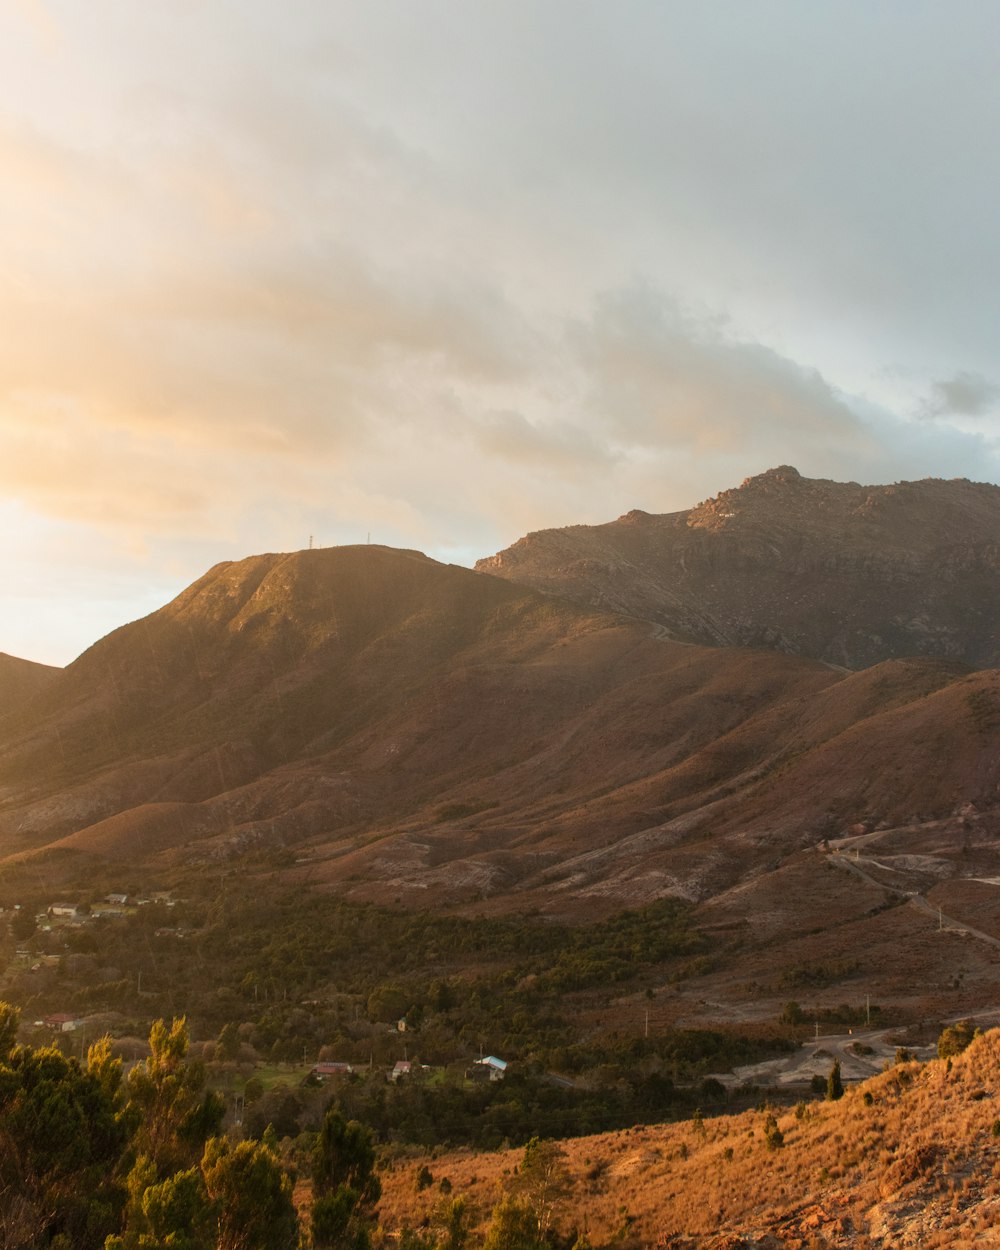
x=92 y=1159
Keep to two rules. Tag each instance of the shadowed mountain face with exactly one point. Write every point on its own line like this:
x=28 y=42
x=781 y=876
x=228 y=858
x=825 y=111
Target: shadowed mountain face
x=370 y=720
x=849 y=574
x=21 y=680
x=334 y=692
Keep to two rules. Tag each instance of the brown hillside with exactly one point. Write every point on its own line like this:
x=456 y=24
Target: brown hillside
x=909 y=1160
x=844 y=573
x=369 y=721
x=21 y=680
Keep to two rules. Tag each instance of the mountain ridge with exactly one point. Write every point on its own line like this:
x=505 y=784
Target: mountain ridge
x=374 y=723
x=844 y=573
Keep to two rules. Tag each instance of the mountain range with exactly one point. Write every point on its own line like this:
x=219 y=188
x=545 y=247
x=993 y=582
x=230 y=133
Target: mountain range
x=840 y=572
x=779 y=705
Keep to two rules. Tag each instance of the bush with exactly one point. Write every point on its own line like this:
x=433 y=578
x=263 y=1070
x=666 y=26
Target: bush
x=955 y=1039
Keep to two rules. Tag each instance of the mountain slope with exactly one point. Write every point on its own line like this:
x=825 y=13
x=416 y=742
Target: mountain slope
x=371 y=722
x=845 y=573
x=907 y=1161
x=353 y=686
x=420 y=731
x=21 y=680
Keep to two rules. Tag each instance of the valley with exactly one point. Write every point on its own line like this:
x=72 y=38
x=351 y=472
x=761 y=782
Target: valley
x=369 y=809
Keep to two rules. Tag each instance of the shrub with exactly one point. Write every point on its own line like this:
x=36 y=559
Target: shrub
x=955 y=1039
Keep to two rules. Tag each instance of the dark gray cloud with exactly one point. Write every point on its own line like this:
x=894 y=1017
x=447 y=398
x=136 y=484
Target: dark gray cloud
x=963 y=395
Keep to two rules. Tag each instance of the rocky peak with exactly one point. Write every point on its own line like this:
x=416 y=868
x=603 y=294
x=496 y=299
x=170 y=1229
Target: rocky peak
x=846 y=573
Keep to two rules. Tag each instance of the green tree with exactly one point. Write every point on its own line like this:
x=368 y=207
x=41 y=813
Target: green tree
x=61 y=1144
x=834 y=1084
x=955 y=1039
x=774 y=1138
x=227 y=1048
x=174 y=1212
x=792 y=1014
x=173 y=1113
x=253 y=1197
x=453 y=1218
x=542 y=1181
x=10 y=1018
x=23 y=924
x=387 y=1003
x=514 y=1226
x=345 y=1186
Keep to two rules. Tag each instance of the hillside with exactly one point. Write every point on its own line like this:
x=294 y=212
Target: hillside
x=319 y=692
x=369 y=722
x=21 y=680
x=908 y=1160
x=849 y=574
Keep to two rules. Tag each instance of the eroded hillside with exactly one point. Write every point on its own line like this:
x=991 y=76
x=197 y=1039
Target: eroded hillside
x=845 y=573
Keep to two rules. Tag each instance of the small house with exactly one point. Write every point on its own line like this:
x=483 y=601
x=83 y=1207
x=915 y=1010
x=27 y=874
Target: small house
x=61 y=1022
x=323 y=1070
x=64 y=911
x=402 y=1068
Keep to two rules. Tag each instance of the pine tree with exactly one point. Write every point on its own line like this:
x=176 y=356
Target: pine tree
x=345 y=1186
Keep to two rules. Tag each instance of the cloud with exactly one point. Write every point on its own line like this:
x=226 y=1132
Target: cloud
x=558 y=447
x=663 y=379
x=375 y=269
x=964 y=394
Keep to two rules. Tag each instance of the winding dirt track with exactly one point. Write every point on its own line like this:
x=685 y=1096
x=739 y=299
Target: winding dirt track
x=947 y=923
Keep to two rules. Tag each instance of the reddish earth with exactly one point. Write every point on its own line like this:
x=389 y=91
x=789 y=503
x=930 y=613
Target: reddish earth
x=846 y=573
x=367 y=720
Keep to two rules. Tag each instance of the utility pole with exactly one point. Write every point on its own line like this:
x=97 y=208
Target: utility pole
x=868 y=1010
x=647 y=1022
x=310 y=542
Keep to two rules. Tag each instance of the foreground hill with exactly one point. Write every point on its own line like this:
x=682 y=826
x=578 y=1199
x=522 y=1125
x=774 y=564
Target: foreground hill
x=907 y=1161
x=845 y=573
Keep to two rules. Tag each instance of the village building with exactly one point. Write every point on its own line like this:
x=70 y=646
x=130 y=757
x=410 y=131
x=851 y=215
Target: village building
x=61 y=1022
x=323 y=1070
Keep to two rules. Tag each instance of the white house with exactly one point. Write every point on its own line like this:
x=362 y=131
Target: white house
x=497 y=1067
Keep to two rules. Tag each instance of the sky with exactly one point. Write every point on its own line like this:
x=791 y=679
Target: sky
x=440 y=273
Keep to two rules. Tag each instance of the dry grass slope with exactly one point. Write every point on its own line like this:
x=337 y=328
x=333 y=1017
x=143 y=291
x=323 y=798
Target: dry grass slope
x=909 y=1160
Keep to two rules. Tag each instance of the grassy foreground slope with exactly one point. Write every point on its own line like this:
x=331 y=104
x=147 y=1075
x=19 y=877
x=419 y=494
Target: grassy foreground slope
x=909 y=1159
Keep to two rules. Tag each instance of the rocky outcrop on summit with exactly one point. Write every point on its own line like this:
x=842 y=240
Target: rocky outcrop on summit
x=844 y=573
